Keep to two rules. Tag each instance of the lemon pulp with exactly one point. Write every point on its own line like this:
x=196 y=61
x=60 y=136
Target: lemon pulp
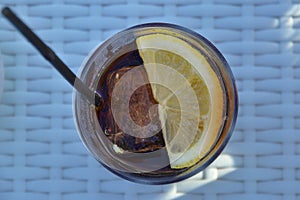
x=189 y=94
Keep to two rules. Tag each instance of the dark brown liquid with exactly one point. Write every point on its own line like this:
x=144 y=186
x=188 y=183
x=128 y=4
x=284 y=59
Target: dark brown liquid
x=139 y=105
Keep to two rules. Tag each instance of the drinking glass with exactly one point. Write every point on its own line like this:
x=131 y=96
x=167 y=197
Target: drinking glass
x=148 y=168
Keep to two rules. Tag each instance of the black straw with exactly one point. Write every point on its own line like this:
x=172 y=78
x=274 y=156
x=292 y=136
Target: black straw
x=62 y=68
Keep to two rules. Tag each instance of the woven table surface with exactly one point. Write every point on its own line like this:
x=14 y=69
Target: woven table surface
x=41 y=155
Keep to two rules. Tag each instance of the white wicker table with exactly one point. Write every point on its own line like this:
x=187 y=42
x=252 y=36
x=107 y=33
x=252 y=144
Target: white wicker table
x=41 y=156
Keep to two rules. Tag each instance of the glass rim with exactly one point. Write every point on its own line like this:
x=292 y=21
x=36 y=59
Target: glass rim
x=214 y=152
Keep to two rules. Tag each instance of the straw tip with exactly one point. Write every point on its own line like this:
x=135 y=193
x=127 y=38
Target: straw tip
x=98 y=100
x=5 y=10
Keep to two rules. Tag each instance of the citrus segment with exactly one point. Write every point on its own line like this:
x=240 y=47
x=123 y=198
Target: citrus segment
x=189 y=94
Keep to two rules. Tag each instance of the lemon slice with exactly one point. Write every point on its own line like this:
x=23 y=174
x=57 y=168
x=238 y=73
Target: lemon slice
x=189 y=94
